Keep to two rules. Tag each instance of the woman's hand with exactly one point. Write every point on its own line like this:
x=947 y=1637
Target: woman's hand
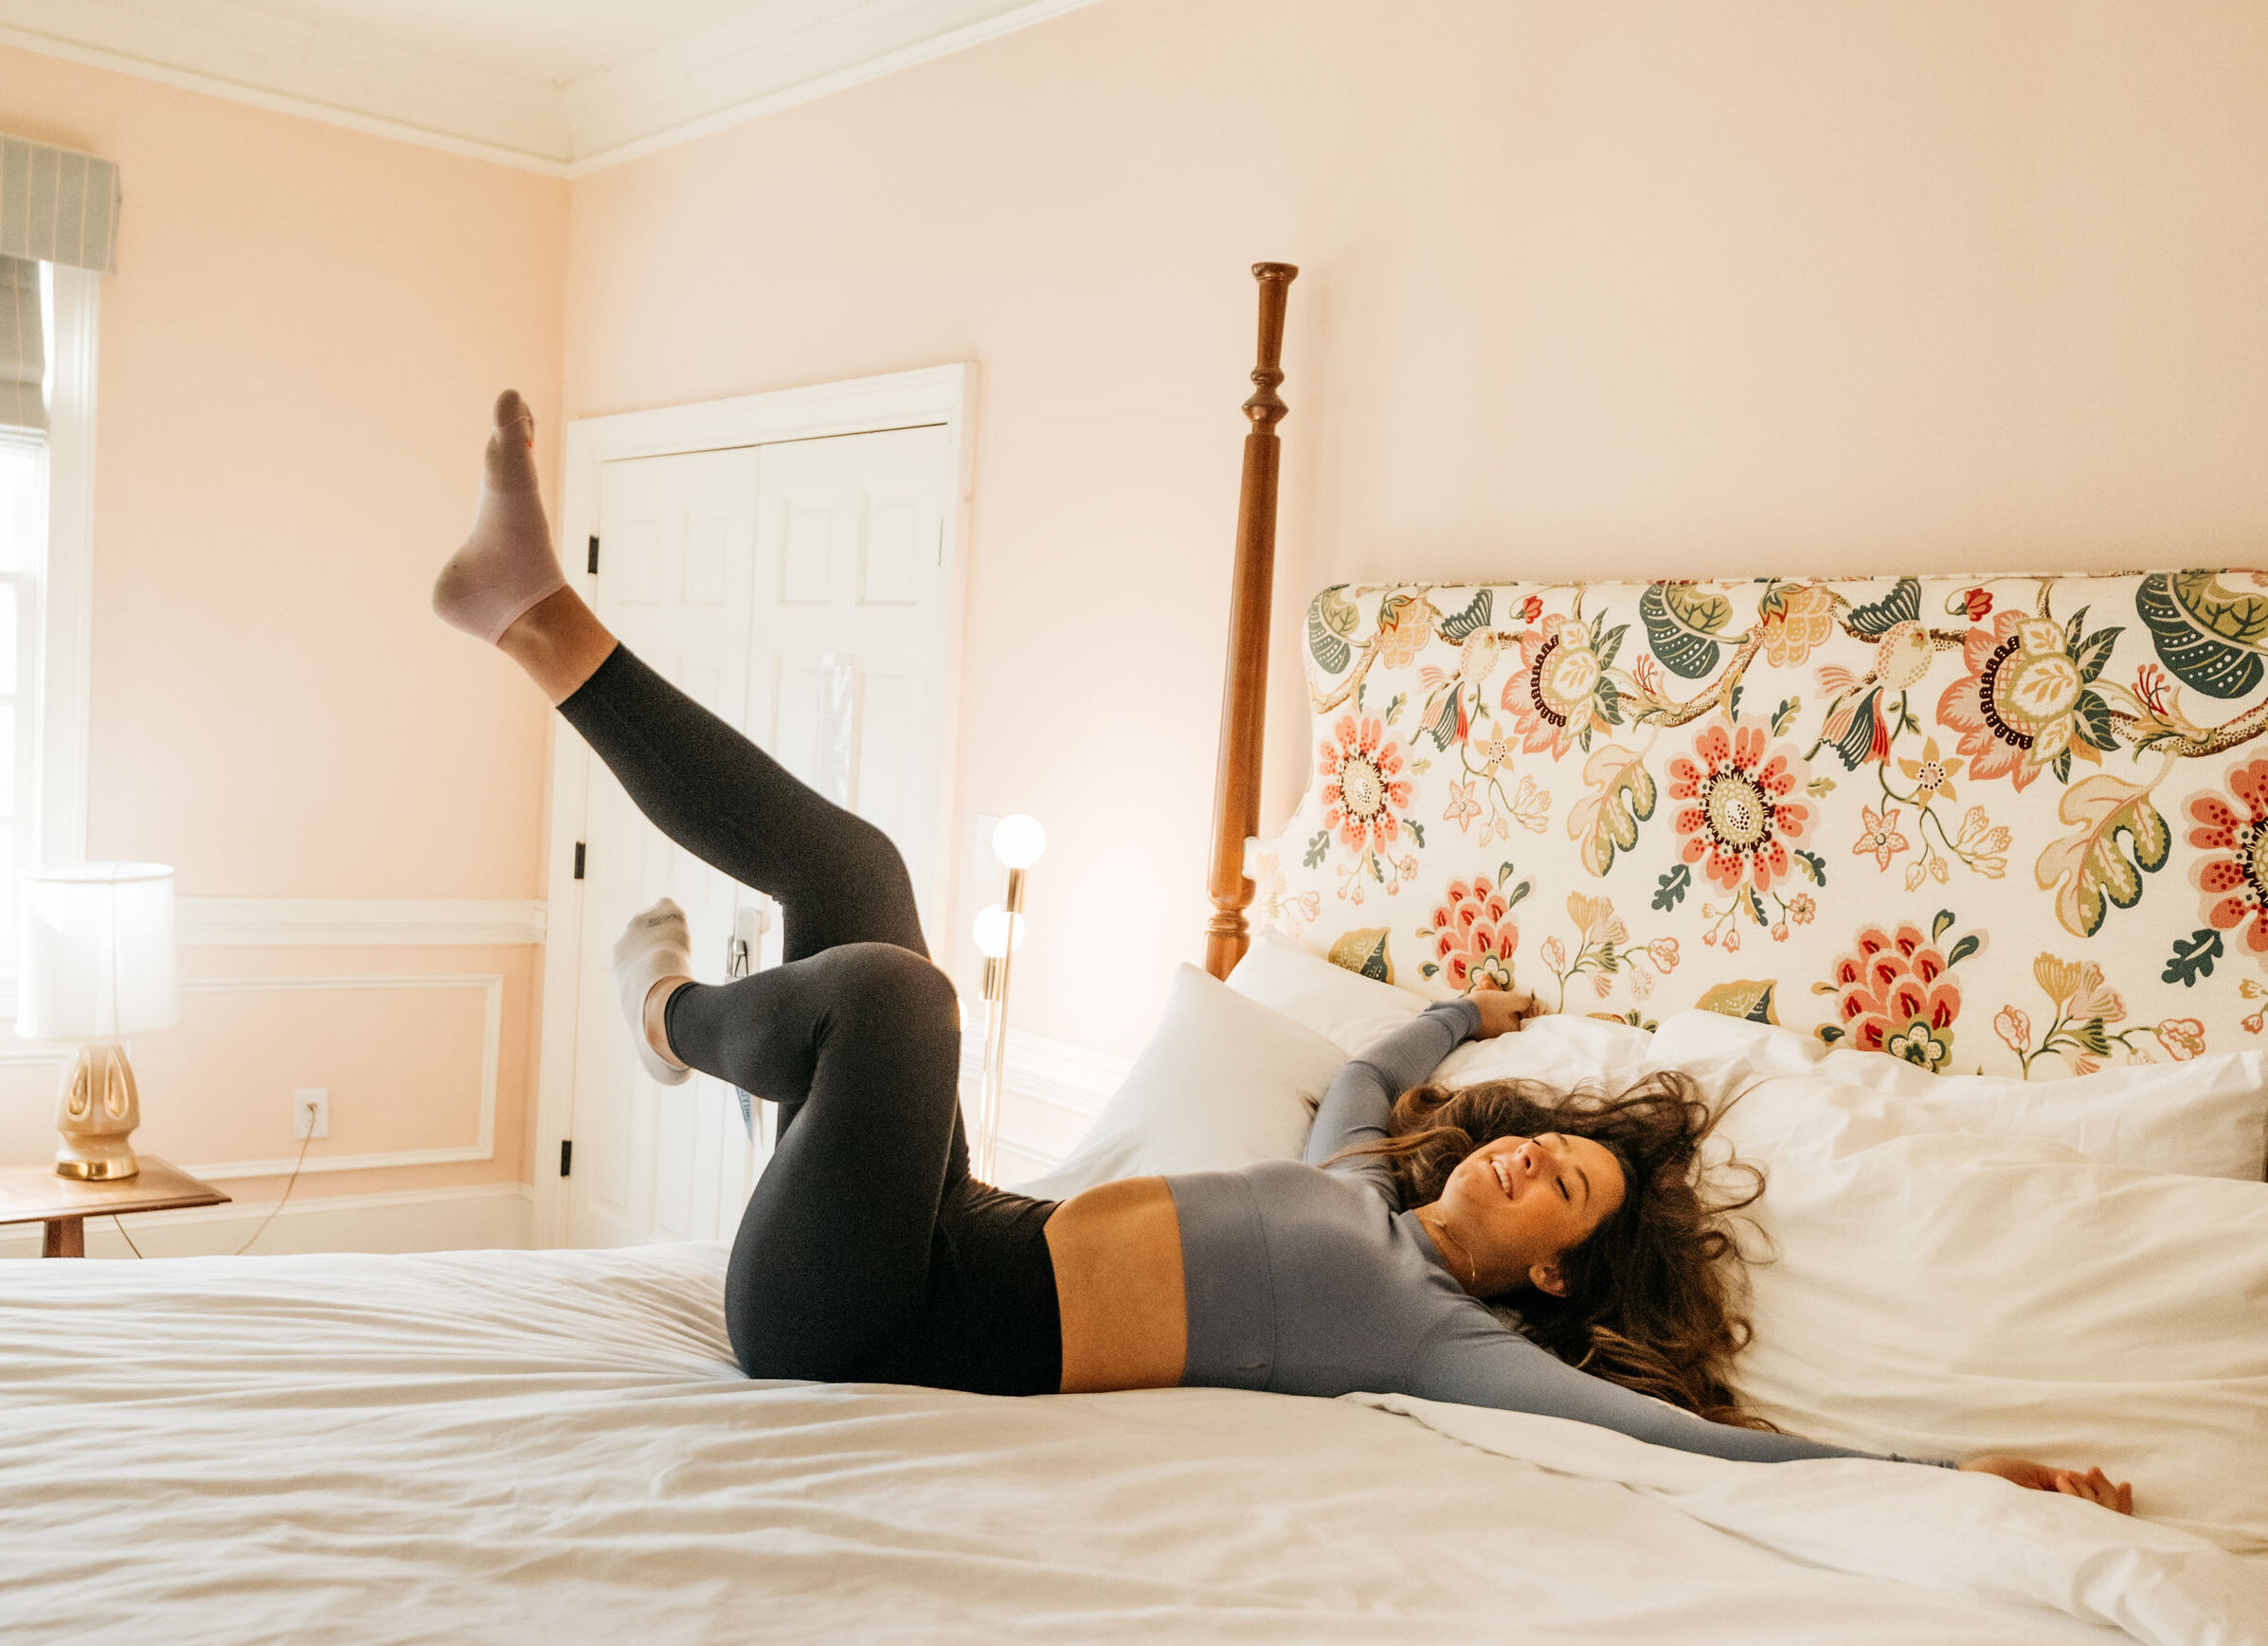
x=1501 y=1010
x=2095 y=1486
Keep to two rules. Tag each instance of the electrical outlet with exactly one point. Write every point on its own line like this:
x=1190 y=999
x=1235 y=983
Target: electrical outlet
x=317 y=1098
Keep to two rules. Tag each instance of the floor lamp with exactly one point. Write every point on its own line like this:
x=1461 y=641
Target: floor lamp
x=1017 y=843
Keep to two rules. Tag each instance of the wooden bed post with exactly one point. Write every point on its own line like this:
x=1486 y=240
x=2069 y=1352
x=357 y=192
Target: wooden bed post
x=1244 y=699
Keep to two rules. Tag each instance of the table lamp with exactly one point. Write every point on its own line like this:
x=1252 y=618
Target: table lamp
x=96 y=945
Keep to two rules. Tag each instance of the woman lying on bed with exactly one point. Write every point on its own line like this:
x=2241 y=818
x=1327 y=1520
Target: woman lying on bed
x=869 y=1254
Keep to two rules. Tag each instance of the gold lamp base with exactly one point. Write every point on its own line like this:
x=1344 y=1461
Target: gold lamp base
x=96 y=1109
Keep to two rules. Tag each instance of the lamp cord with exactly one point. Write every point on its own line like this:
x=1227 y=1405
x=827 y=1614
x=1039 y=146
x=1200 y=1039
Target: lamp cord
x=124 y=1236
x=287 y=1186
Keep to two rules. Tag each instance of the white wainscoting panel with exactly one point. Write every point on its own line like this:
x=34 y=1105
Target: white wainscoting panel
x=492 y=985
x=1051 y=1091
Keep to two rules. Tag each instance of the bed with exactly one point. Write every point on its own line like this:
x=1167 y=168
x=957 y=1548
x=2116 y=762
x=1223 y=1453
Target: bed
x=557 y=1445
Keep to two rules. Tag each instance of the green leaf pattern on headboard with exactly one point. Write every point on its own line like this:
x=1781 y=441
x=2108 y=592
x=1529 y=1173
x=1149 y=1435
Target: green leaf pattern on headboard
x=2016 y=823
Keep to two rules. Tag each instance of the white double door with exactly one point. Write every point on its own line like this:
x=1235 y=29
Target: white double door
x=798 y=592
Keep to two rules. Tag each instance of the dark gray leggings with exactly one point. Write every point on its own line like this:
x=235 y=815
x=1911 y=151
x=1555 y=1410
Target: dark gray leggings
x=855 y=1036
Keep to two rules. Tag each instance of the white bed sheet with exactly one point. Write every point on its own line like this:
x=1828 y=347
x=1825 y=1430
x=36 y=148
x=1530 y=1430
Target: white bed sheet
x=554 y=1447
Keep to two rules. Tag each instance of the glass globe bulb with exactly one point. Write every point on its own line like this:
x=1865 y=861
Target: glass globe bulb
x=997 y=931
x=1018 y=841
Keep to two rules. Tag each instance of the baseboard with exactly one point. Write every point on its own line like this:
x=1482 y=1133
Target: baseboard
x=441 y=1219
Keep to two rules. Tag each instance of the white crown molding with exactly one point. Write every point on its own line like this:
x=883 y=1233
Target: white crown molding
x=776 y=55
x=782 y=53
x=275 y=63
x=356 y=922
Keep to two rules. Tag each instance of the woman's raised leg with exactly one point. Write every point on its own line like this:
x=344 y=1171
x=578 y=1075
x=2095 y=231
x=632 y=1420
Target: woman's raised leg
x=837 y=879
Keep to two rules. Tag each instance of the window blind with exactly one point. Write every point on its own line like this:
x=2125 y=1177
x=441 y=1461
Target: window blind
x=56 y=206
x=23 y=351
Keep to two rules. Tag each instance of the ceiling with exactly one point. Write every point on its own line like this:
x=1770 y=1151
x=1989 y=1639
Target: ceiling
x=564 y=86
x=553 y=42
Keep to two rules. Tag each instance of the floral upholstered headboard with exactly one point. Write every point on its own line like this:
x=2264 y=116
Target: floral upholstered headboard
x=2016 y=825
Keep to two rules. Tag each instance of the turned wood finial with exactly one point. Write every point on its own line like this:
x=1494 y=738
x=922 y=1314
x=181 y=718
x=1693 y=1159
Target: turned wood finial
x=1244 y=701
x=1265 y=408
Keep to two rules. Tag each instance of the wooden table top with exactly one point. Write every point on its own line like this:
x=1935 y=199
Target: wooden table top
x=31 y=1194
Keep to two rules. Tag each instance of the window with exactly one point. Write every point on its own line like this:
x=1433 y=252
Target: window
x=22 y=556
x=59 y=222
x=46 y=562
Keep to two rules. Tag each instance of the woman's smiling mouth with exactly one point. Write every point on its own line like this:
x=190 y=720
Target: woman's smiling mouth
x=1503 y=1177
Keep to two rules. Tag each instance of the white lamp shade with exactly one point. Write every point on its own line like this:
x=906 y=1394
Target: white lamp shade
x=1018 y=841
x=997 y=931
x=95 y=944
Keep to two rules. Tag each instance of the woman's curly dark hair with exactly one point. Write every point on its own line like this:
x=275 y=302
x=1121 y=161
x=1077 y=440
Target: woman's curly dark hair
x=1654 y=1297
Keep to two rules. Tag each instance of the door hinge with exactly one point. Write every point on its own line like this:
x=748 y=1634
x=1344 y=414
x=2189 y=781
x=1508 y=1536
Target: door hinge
x=578 y=859
x=594 y=555
x=567 y=1156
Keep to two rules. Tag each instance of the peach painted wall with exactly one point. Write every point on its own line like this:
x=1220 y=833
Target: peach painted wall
x=298 y=354
x=1588 y=289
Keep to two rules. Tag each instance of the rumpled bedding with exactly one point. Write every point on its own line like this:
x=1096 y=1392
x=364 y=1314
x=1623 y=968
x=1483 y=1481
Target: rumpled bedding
x=555 y=1446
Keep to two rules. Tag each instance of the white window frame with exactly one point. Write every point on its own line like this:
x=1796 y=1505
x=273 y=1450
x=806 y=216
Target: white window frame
x=52 y=819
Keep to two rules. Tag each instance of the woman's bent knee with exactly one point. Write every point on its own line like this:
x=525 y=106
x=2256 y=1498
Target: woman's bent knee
x=881 y=983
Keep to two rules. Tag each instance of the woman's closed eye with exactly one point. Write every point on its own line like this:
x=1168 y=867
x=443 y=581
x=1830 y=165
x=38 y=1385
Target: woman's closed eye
x=1560 y=1173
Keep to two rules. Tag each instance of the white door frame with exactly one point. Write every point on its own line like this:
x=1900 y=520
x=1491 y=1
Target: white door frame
x=938 y=394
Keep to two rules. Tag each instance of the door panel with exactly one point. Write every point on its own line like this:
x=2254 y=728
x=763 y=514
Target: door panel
x=798 y=591
x=677 y=549
x=847 y=662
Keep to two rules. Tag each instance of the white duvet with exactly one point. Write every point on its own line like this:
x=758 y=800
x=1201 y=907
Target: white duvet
x=554 y=1447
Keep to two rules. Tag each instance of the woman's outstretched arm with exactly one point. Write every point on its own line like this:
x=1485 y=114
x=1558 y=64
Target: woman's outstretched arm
x=1474 y=1361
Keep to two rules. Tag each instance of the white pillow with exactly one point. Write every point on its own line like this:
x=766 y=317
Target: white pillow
x=1561 y=1051
x=1224 y=1082
x=1942 y=1293
x=1355 y=1011
x=2207 y=1118
x=1346 y=1008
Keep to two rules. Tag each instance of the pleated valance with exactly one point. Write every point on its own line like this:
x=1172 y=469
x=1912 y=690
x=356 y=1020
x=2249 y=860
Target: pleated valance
x=56 y=206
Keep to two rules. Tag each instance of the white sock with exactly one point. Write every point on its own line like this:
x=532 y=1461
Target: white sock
x=653 y=946
x=506 y=564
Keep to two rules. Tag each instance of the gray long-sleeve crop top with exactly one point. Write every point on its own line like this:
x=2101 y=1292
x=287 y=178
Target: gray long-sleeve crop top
x=1309 y=1280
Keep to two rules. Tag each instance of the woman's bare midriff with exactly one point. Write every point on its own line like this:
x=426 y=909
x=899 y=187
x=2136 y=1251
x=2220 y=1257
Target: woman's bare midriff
x=1117 y=1251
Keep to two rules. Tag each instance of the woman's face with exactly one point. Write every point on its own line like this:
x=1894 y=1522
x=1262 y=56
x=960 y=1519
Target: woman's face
x=1514 y=1206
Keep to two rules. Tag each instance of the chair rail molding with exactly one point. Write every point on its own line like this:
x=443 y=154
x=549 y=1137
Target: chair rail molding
x=357 y=922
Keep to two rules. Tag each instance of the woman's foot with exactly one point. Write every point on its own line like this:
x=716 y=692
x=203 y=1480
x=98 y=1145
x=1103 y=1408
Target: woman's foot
x=654 y=949
x=506 y=564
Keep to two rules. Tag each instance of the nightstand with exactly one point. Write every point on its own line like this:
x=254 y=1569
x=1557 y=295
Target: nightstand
x=34 y=1194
